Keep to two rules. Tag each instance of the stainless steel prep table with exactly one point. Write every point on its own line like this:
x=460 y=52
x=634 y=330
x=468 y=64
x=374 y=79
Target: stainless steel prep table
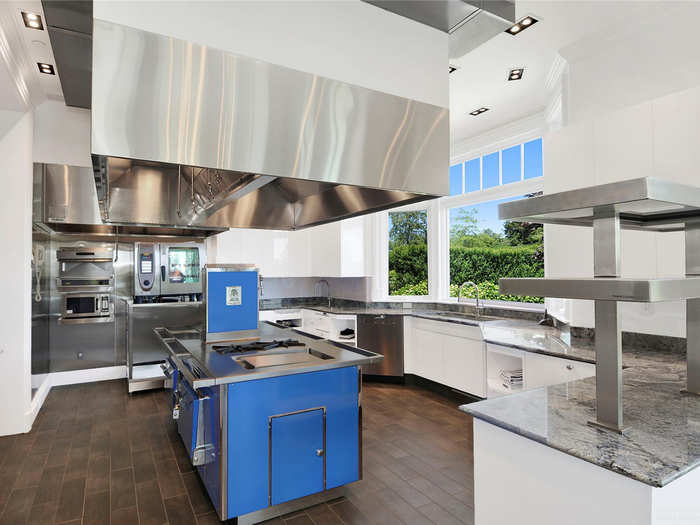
x=216 y=369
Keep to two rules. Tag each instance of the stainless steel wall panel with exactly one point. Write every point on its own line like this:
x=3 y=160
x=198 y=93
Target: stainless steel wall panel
x=70 y=195
x=77 y=346
x=40 y=302
x=167 y=100
x=144 y=346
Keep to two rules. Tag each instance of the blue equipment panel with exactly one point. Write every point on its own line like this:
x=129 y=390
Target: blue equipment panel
x=296 y=445
x=250 y=406
x=232 y=301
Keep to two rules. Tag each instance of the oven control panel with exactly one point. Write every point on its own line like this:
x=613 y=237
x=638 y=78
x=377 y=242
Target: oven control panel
x=147 y=282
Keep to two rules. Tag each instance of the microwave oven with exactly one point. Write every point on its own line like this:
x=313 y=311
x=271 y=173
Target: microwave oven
x=86 y=307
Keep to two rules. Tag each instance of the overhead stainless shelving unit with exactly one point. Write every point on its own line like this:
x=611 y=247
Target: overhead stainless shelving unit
x=640 y=204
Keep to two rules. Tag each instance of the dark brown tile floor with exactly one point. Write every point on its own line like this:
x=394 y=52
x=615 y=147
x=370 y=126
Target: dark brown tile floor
x=97 y=456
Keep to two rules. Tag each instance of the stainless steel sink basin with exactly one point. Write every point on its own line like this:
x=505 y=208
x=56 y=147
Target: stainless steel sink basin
x=281 y=358
x=459 y=315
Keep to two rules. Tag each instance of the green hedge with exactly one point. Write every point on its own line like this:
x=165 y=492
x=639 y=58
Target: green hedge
x=487 y=290
x=489 y=264
x=408 y=273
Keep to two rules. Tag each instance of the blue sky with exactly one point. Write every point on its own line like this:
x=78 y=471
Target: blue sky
x=487 y=214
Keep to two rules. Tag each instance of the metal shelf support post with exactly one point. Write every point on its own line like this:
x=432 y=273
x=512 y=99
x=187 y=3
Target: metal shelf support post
x=692 y=306
x=608 y=336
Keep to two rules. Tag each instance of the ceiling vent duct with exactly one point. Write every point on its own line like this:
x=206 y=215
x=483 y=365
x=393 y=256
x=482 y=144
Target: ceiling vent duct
x=69 y=23
x=469 y=24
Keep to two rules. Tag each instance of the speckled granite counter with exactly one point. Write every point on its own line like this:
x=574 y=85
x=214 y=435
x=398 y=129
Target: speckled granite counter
x=663 y=437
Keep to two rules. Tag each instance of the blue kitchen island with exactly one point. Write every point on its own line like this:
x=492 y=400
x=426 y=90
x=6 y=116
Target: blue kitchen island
x=272 y=424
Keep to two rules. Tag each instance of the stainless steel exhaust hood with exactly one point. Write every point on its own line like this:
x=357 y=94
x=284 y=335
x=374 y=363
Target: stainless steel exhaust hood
x=186 y=135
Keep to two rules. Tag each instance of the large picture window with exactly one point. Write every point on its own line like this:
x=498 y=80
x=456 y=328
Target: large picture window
x=483 y=249
x=427 y=250
x=408 y=253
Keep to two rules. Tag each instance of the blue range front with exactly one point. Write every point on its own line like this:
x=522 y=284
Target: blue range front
x=269 y=441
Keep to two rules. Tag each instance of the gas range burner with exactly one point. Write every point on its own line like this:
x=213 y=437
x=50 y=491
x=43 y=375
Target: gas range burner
x=256 y=346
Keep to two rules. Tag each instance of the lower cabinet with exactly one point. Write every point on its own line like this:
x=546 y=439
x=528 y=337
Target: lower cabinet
x=543 y=370
x=278 y=441
x=297 y=454
x=448 y=353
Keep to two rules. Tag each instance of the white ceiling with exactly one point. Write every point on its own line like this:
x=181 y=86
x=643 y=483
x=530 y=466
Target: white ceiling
x=26 y=47
x=481 y=80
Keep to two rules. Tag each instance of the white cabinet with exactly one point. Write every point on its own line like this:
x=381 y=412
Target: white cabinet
x=287 y=316
x=543 y=370
x=447 y=353
x=338 y=249
x=328 y=326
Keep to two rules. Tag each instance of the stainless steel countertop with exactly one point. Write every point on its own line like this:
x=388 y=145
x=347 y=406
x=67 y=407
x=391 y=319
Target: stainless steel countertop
x=217 y=368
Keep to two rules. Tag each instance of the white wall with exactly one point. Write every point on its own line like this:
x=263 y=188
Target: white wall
x=625 y=122
x=15 y=277
x=348 y=40
x=62 y=134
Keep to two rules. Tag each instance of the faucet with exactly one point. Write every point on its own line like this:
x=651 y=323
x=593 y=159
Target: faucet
x=320 y=283
x=459 y=294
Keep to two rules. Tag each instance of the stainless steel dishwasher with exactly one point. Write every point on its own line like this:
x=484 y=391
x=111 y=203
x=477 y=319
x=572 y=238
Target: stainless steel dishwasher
x=382 y=334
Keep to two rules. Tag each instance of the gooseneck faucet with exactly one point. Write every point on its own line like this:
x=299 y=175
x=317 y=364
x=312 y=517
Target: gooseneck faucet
x=320 y=283
x=459 y=294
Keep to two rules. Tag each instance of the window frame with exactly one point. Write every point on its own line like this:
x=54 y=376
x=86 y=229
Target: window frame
x=513 y=189
x=438 y=221
x=383 y=250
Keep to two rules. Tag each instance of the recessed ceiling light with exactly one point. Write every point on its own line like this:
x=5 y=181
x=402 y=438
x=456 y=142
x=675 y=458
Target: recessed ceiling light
x=516 y=74
x=522 y=25
x=477 y=112
x=32 y=20
x=453 y=68
x=46 y=68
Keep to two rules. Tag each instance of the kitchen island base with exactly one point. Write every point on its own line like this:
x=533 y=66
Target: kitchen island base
x=288 y=507
x=518 y=480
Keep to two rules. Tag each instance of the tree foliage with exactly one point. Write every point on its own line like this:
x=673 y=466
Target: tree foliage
x=408 y=227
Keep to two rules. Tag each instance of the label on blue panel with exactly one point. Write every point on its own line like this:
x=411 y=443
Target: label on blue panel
x=234 y=295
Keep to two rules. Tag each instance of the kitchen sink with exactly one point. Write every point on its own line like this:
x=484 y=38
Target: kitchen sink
x=281 y=358
x=459 y=315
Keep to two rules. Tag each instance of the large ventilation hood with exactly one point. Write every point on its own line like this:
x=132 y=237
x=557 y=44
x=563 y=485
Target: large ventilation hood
x=190 y=136
x=66 y=202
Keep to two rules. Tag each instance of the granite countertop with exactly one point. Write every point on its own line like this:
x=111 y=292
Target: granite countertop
x=662 y=440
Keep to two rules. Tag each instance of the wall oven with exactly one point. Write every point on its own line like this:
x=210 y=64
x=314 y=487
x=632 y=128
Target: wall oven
x=80 y=267
x=87 y=307
x=169 y=271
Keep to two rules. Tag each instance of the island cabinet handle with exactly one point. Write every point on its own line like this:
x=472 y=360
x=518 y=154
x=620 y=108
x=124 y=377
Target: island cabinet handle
x=319 y=452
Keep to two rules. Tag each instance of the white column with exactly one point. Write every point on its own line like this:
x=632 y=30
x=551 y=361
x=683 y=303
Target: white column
x=15 y=276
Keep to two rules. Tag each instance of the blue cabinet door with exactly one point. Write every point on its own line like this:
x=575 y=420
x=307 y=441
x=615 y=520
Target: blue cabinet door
x=297 y=455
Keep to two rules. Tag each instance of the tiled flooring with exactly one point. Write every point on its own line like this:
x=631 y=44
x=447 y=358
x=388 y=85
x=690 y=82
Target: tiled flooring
x=97 y=456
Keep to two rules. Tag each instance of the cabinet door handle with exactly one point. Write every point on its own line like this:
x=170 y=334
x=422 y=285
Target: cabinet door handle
x=319 y=452
x=569 y=367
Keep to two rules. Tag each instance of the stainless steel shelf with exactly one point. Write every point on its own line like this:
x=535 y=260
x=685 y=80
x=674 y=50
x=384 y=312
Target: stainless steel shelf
x=642 y=204
x=606 y=289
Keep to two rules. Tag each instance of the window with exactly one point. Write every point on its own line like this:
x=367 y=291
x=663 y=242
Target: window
x=490 y=167
x=480 y=247
x=473 y=168
x=183 y=265
x=408 y=253
x=483 y=249
x=456 y=179
x=513 y=164
x=533 y=159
